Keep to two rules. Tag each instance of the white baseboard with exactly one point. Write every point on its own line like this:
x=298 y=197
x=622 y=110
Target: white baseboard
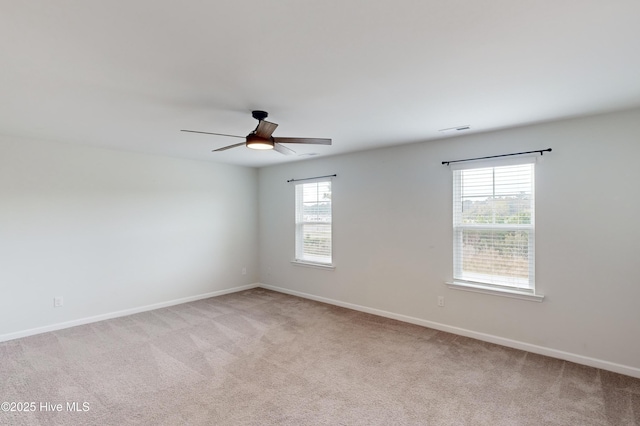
x=125 y=312
x=528 y=347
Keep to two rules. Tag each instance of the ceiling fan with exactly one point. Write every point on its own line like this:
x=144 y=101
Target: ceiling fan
x=261 y=138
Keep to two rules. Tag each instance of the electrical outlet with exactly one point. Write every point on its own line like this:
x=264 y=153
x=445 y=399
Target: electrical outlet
x=441 y=301
x=58 y=301
x=244 y=270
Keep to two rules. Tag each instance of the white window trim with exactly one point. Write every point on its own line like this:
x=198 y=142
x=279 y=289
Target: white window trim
x=496 y=162
x=495 y=291
x=477 y=287
x=307 y=264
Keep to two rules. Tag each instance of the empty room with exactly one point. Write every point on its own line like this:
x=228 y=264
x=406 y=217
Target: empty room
x=319 y=213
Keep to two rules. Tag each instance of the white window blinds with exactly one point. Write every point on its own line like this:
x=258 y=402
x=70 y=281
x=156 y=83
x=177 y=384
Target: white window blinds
x=493 y=223
x=313 y=222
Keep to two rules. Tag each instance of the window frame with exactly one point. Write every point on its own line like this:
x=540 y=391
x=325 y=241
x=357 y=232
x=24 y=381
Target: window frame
x=464 y=283
x=300 y=258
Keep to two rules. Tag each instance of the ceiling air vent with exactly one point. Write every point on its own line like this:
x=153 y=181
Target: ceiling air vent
x=452 y=130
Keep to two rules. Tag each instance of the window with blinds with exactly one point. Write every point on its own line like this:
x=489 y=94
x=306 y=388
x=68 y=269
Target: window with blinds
x=313 y=222
x=493 y=224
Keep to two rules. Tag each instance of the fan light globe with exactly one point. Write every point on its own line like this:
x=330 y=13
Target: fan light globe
x=256 y=142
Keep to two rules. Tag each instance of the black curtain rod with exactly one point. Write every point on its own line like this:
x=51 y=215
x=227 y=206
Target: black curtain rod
x=541 y=151
x=317 y=177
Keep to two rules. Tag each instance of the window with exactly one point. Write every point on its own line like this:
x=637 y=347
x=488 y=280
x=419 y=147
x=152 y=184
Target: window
x=493 y=224
x=313 y=222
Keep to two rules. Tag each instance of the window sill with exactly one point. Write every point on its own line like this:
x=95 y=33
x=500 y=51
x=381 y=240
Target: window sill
x=479 y=288
x=313 y=265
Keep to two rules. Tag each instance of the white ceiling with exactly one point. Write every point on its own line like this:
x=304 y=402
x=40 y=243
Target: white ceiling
x=366 y=73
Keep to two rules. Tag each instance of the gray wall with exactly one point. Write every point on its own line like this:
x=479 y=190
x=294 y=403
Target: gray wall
x=111 y=231
x=393 y=238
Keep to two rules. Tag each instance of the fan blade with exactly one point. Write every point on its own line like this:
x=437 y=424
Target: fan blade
x=265 y=129
x=208 y=133
x=229 y=147
x=315 y=141
x=283 y=149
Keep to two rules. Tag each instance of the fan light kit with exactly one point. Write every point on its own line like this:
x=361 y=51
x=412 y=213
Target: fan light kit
x=255 y=142
x=261 y=139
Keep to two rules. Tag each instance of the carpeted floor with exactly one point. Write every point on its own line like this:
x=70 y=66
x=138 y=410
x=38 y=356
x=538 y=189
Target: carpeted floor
x=262 y=358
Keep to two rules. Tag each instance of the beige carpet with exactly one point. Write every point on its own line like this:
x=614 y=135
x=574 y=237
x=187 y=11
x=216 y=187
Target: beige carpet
x=261 y=358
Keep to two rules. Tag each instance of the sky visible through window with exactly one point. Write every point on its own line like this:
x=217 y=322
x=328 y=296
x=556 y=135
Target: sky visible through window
x=509 y=180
